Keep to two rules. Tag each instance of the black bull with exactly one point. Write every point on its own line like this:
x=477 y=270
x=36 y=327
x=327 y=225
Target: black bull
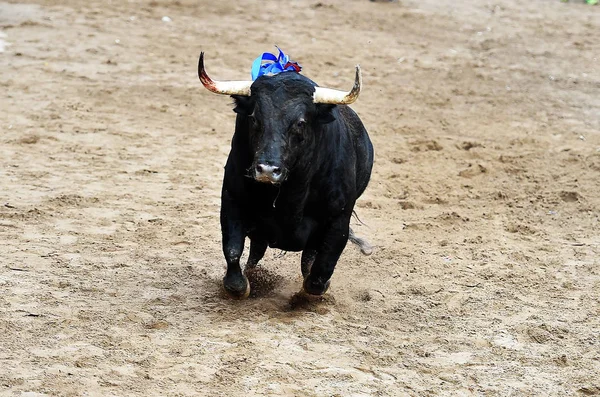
x=292 y=178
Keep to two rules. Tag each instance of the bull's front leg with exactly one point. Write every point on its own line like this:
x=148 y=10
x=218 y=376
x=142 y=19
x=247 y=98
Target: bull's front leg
x=308 y=258
x=335 y=238
x=233 y=232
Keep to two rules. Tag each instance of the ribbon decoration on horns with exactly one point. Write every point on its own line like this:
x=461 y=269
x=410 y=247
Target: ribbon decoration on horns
x=321 y=94
x=269 y=64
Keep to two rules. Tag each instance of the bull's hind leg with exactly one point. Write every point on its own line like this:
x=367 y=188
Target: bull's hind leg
x=235 y=283
x=258 y=247
x=334 y=240
x=308 y=258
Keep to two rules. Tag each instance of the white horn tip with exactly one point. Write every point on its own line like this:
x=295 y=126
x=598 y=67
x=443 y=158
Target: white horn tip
x=326 y=95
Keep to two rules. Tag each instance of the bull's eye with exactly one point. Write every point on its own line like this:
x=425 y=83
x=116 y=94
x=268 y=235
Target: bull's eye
x=298 y=130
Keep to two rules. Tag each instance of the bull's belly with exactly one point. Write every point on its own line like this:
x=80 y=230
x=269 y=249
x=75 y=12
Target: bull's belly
x=289 y=243
x=285 y=237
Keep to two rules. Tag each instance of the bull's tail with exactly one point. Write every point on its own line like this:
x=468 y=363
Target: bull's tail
x=365 y=247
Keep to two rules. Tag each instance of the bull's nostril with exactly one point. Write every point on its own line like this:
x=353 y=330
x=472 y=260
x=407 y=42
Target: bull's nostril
x=268 y=173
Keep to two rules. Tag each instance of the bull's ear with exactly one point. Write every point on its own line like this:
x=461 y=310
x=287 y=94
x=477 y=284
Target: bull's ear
x=244 y=105
x=324 y=113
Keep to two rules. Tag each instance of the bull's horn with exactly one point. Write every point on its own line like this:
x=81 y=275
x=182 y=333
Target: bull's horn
x=336 y=97
x=222 y=87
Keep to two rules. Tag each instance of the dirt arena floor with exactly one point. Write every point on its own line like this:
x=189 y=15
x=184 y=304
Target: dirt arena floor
x=483 y=207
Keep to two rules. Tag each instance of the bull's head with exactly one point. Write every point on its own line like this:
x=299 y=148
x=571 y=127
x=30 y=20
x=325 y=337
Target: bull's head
x=282 y=114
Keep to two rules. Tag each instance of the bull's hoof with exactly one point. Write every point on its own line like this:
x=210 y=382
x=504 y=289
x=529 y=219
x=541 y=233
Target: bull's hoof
x=316 y=288
x=237 y=287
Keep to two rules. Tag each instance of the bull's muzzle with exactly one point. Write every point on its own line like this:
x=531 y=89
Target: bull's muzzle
x=267 y=173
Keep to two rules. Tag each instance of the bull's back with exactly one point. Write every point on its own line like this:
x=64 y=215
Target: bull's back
x=362 y=146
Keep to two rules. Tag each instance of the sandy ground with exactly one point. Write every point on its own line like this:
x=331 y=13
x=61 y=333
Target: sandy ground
x=483 y=206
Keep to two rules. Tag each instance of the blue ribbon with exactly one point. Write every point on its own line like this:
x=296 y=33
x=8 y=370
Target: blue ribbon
x=270 y=64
